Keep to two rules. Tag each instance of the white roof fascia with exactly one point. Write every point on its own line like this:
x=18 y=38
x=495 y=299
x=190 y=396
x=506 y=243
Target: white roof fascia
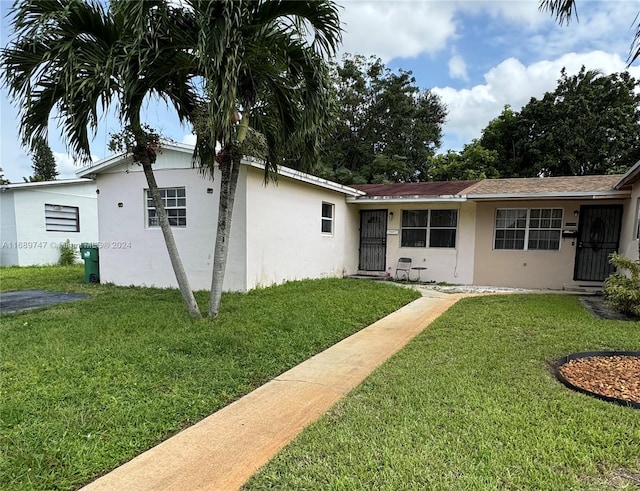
x=632 y=173
x=408 y=199
x=42 y=184
x=308 y=178
x=107 y=162
x=558 y=195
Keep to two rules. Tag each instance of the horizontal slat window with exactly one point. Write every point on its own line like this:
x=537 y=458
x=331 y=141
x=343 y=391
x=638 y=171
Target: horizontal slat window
x=61 y=218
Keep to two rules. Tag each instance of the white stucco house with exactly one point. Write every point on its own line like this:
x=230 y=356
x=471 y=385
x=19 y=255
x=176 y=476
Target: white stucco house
x=550 y=233
x=299 y=227
x=36 y=217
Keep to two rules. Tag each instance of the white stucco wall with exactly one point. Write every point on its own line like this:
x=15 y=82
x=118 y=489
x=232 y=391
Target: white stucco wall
x=628 y=235
x=134 y=254
x=451 y=265
x=284 y=236
x=528 y=269
x=27 y=233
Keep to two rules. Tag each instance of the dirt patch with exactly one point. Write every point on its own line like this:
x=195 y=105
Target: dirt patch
x=597 y=305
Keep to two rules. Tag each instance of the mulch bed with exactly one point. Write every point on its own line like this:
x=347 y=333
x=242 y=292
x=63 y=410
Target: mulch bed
x=611 y=376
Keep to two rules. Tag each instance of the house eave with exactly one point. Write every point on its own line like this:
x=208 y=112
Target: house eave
x=407 y=199
x=43 y=184
x=308 y=179
x=631 y=176
x=551 y=196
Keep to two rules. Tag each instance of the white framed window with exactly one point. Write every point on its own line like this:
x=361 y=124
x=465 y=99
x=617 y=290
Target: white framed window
x=327 y=218
x=175 y=204
x=61 y=218
x=429 y=228
x=528 y=229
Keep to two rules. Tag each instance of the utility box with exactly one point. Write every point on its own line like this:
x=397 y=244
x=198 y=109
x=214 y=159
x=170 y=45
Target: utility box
x=90 y=256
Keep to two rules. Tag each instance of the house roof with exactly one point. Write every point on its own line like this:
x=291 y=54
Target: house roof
x=630 y=177
x=414 y=191
x=114 y=160
x=43 y=184
x=546 y=187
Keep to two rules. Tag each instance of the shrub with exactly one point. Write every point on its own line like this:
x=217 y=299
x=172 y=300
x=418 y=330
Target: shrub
x=67 y=253
x=623 y=292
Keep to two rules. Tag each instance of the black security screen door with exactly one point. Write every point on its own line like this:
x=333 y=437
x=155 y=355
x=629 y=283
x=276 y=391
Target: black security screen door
x=373 y=240
x=598 y=236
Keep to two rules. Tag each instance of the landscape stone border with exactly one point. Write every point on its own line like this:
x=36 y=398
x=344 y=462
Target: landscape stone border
x=588 y=354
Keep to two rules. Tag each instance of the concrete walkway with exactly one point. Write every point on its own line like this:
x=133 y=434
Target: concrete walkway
x=225 y=449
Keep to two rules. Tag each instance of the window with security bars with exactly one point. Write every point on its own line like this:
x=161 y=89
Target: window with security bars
x=429 y=228
x=61 y=218
x=528 y=229
x=175 y=204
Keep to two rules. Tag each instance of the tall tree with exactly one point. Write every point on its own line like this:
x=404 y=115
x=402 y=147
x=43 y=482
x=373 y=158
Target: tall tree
x=3 y=180
x=386 y=128
x=43 y=162
x=590 y=124
x=75 y=57
x=268 y=92
x=474 y=162
x=565 y=10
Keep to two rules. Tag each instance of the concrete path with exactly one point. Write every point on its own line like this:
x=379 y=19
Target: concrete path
x=225 y=449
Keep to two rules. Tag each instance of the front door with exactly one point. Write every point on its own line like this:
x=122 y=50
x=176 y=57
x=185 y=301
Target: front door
x=598 y=236
x=373 y=240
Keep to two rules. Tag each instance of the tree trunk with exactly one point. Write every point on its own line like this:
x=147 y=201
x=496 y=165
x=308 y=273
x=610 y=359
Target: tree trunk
x=230 y=169
x=176 y=262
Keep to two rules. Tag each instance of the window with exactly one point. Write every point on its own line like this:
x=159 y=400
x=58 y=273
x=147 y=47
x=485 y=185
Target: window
x=535 y=229
x=60 y=218
x=175 y=203
x=429 y=228
x=327 y=218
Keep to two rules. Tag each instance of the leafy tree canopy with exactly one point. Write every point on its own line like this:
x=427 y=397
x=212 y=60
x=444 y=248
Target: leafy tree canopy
x=473 y=162
x=590 y=124
x=3 y=180
x=386 y=128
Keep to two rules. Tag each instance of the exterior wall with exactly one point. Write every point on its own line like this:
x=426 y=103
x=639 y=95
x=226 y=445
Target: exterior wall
x=33 y=243
x=527 y=269
x=284 y=237
x=8 y=232
x=628 y=237
x=140 y=256
x=453 y=265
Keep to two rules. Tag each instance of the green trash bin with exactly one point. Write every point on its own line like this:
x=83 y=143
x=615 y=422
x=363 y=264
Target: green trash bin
x=89 y=253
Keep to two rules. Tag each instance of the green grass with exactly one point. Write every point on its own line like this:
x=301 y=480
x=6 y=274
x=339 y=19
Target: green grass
x=86 y=386
x=471 y=404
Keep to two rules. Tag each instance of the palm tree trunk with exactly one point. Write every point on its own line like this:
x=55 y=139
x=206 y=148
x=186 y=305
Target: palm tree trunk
x=230 y=169
x=181 y=276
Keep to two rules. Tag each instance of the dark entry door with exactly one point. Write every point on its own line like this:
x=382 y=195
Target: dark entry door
x=373 y=240
x=598 y=236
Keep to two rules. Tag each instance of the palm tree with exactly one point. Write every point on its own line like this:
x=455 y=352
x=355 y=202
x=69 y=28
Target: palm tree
x=76 y=57
x=268 y=93
x=565 y=10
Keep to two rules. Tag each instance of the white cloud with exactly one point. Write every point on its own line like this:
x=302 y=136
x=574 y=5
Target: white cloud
x=189 y=139
x=65 y=165
x=515 y=84
x=396 y=29
x=458 y=68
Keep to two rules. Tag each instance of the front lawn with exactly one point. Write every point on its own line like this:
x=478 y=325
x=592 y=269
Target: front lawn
x=471 y=404
x=86 y=386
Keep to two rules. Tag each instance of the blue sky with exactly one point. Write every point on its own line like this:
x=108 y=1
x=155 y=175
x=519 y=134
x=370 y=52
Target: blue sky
x=477 y=55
